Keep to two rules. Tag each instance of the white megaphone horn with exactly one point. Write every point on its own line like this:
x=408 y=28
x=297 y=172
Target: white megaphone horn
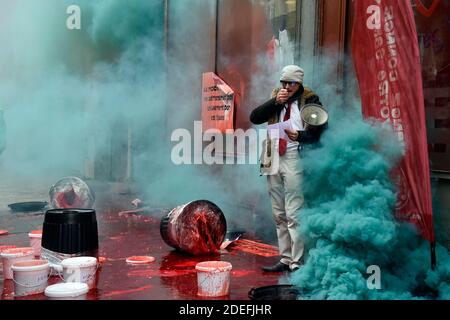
x=313 y=115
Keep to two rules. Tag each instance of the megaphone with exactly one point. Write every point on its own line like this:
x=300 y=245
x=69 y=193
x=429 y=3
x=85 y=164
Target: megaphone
x=313 y=115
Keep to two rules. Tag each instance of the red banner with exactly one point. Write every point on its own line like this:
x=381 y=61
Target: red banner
x=386 y=57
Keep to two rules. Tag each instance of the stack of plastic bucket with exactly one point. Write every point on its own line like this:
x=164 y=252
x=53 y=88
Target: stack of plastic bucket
x=29 y=276
x=13 y=255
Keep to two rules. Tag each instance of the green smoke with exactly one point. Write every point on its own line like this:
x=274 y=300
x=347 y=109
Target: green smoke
x=67 y=92
x=348 y=223
x=70 y=96
x=2 y=132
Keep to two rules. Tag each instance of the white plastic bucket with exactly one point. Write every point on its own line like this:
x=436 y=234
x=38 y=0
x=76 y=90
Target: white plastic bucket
x=35 y=237
x=213 y=278
x=67 y=291
x=30 y=277
x=11 y=256
x=80 y=269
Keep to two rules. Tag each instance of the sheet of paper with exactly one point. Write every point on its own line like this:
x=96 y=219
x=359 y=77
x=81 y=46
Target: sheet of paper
x=276 y=130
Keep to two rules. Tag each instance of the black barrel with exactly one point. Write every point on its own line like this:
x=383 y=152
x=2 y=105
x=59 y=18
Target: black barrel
x=70 y=231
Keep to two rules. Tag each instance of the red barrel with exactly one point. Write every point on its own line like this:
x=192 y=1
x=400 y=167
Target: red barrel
x=197 y=228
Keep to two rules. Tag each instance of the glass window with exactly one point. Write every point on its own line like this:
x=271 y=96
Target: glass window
x=433 y=29
x=282 y=15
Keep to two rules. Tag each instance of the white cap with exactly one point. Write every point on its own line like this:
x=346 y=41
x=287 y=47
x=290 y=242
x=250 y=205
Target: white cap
x=292 y=73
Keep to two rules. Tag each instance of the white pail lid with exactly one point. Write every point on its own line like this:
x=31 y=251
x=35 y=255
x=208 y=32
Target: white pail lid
x=66 y=290
x=79 y=262
x=140 y=259
x=17 y=252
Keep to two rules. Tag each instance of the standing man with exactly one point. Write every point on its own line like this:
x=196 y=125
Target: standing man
x=285 y=182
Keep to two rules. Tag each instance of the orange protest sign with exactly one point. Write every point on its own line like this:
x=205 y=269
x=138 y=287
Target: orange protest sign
x=217 y=103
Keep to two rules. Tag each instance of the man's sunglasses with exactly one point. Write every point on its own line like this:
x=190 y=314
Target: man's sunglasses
x=288 y=83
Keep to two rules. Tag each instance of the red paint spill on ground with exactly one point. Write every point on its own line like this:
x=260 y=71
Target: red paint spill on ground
x=242 y=273
x=159 y=273
x=256 y=248
x=187 y=264
x=125 y=292
x=171 y=277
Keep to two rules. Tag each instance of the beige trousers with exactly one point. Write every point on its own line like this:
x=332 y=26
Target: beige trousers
x=285 y=189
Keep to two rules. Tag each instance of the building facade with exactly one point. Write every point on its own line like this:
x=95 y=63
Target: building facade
x=239 y=34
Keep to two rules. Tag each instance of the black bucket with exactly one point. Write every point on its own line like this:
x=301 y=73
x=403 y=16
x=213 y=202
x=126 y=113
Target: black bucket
x=70 y=231
x=197 y=228
x=275 y=292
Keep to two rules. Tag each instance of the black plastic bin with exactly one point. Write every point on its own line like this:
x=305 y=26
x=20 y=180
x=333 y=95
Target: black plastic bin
x=70 y=231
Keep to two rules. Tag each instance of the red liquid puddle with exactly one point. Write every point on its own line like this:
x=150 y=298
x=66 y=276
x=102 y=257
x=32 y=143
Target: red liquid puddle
x=187 y=264
x=256 y=248
x=124 y=292
x=159 y=273
x=242 y=273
